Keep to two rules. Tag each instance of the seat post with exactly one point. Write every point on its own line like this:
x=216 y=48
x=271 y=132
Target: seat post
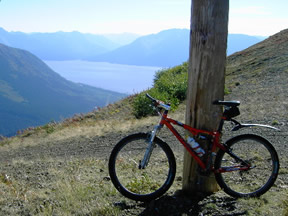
x=220 y=127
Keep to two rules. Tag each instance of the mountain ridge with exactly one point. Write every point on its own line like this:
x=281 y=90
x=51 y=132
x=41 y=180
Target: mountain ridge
x=32 y=94
x=58 y=45
x=165 y=49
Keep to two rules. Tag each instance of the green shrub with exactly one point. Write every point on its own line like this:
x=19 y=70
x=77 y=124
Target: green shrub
x=226 y=91
x=173 y=81
x=50 y=127
x=141 y=106
x=170 y=85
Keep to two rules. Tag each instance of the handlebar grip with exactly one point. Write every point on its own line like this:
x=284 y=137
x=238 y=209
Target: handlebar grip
x=151 y=98
x=159 y=103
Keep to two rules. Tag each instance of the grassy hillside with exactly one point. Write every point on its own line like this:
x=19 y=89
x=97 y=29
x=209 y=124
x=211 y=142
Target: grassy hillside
x=258 y=77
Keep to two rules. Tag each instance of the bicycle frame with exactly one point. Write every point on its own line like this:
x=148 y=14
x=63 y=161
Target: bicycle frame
x=207 y=165
x=215 y=138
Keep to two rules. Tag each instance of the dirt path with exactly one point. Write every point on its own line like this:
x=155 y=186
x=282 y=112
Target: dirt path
x=34 y=170
x=101 y=146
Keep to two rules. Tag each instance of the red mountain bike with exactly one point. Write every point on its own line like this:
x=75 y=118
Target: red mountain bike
x=142 y=166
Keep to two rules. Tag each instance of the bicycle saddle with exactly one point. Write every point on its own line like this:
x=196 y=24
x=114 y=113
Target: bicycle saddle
x=227 y=103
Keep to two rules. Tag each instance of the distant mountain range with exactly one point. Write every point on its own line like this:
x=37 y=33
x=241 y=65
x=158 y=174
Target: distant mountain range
x=62 y=45
x=32 y=94
x=164 y=49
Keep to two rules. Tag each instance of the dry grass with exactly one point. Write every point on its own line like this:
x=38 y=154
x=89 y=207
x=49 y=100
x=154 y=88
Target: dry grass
x=85 y=127
x=76 y=187
x=81 y=186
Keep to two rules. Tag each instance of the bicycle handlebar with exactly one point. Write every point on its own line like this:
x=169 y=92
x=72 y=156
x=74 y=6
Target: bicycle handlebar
x=158 y=103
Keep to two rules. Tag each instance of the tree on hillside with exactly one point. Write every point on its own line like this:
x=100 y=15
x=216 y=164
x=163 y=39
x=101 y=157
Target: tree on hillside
x=207 y=59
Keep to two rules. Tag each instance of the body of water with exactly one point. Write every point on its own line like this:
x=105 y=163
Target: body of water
x=116 y=77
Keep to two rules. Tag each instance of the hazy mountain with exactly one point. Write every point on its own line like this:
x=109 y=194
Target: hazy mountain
x=32 y=94
x=58 y=45
x=165 y=49
x=122 y=39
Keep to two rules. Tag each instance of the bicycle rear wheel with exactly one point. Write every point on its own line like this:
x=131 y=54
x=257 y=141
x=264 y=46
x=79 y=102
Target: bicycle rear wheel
x=141 y=184
x=259 y=178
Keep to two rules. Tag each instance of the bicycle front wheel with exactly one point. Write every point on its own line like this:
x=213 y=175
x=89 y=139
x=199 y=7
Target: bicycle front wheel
x=255 y=181
x=136 y=183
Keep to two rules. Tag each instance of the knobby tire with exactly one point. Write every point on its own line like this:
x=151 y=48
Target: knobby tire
x=254 y=182
x=141 y=184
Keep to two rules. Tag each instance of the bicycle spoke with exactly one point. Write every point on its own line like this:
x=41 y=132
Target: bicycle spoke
x=141 y=181
x=252 y=179
x=136 y=182
x=255 y=179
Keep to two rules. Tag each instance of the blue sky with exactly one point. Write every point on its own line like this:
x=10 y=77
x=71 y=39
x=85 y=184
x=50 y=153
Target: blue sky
x=253 y=17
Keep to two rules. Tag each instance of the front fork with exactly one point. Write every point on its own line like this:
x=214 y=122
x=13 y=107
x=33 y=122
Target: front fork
x=143 y=163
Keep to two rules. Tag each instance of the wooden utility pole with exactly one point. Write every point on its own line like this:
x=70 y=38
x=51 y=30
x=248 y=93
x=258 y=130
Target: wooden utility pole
x=206 y=79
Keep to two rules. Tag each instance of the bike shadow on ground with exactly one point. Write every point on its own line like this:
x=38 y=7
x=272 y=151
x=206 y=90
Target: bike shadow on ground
x=180 y=204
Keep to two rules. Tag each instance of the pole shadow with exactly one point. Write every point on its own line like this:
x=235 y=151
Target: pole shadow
x=180 y=204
